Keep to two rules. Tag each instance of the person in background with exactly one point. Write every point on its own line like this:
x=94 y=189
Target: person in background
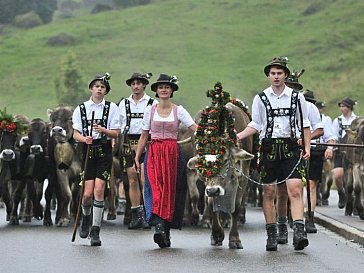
x=328 y=138
x=131 y=113
x=339 y=125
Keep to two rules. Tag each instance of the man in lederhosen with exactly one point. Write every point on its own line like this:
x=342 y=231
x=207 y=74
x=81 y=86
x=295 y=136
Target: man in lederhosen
x=275 y=113
x=339 y=125
x=131 y=112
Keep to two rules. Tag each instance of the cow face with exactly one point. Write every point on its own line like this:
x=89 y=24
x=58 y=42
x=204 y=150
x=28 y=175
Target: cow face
x=7 y=144
x=61 y=123
x=231 y=168
x=37 y=136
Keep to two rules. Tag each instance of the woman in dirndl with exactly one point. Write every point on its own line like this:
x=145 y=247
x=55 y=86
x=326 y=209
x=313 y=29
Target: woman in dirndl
x=165 y=169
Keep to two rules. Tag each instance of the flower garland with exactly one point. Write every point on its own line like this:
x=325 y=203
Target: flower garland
x=216 y=122
x=9 y=124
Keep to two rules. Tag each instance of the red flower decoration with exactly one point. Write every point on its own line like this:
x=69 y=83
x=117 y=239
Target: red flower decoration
x=11 y=127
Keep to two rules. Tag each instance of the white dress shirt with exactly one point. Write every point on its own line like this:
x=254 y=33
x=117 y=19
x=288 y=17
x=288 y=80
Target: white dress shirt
x=113 y=121
x=281 y=128
x=135 y=107
x=344 y=121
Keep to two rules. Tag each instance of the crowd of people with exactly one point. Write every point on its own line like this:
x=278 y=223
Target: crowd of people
x=140 y=118
x=289 y=121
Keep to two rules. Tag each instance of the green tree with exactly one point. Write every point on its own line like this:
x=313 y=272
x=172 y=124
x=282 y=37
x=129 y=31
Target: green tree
x=69 y=86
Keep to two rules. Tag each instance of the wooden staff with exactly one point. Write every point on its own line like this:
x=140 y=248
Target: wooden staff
x=350 y=145
x=83 y=182
x=306 y=166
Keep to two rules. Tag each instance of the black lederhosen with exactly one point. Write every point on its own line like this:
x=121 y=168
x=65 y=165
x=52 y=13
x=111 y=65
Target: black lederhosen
x=99 y=161
x=127 y=157
x=338 y=159
x=278 y=157
x=316 y=163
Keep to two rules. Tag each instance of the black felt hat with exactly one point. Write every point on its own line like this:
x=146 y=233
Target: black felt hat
x=309 y=96
x=277 y=61
x=347 y=102
x=104 y=78
x=144 y=78
x=320 y=104
x=164 y=78
x=292 y=79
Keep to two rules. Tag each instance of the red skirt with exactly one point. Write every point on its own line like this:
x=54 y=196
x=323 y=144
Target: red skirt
x=162 y=175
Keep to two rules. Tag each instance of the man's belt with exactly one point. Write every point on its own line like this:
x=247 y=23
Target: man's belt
x=133 y=142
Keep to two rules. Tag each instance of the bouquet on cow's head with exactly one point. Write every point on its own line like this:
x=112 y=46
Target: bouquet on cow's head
x=10 y=124
x=215 y=133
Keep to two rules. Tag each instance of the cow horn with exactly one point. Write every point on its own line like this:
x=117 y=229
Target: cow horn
x=184 y=141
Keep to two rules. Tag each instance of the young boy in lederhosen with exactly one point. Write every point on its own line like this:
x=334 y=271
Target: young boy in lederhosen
x=106 y=126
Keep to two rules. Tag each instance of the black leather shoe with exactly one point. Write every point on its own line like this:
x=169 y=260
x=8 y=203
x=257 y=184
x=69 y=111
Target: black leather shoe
x=95 y=236
x=84 y=226
x=282 y=237
x=160 y=236
x=310 y=226
x=168 y=235
x=300 y=240
x=342 y=199
x=272 y=239
x=136 y=219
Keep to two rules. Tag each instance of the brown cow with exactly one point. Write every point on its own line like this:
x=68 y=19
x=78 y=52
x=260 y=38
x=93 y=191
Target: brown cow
x=227 y=189
x=65 y=166
x=355 y=171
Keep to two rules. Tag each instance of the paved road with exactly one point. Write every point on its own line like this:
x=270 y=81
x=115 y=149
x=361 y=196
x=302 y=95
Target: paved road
x=30 y=247
x=333 y=218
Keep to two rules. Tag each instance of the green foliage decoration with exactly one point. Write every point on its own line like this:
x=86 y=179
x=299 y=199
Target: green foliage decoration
x=215 y=133
x=10 y=125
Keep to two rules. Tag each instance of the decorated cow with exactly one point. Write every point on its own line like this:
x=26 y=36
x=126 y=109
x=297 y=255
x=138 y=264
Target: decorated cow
x=65 y=166
x=222 y=162
x=11 y=130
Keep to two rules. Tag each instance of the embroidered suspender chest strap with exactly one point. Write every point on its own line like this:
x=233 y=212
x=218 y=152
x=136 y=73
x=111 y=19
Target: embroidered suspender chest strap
x=272 y=113
x=103 y=121
x=342 y=127
x=130 y=115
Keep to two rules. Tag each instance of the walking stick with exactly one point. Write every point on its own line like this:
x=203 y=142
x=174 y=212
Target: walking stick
x=306 y=166
x=82 y=182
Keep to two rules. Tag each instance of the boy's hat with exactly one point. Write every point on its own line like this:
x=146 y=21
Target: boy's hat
x=144 y=78
x=164 y=78
x=320 y=104
x=309 y=96
x=278 y=61
x=347 y=102
x=104 y=78
x=292 y=80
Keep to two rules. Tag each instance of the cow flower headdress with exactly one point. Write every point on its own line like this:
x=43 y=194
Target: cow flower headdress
x=216 y=121
x=9 y=124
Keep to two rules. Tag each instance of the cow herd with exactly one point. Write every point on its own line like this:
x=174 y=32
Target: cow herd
x=47 y=152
